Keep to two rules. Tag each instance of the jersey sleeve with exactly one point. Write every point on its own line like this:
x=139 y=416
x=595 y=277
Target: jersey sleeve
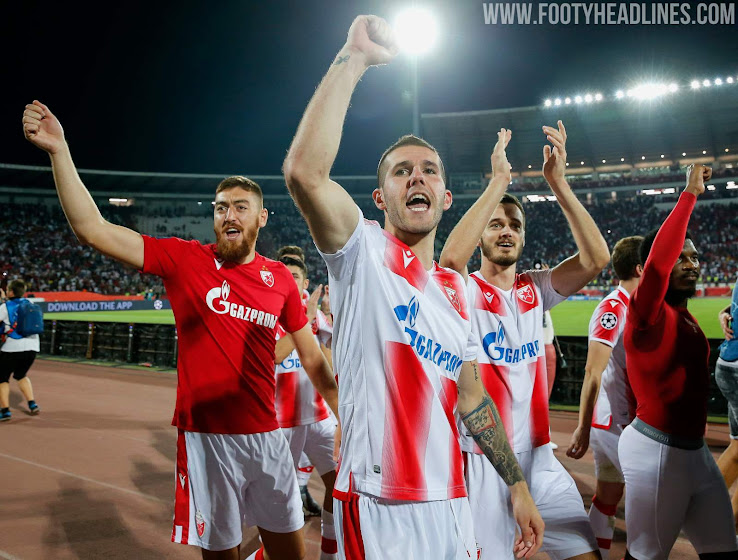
x=293 y=316
x=325 y=330
x=162 y=255
x=472 y=346
x=341 y=263
x=607 y=322
x=549 y=296
x=4 y=319
x=648 y=299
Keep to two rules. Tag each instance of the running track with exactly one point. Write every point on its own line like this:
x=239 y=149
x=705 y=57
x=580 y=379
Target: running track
x=92 y=475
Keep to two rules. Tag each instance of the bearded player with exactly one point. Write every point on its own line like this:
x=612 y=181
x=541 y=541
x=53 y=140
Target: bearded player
x=507 y=311
x=233 y=462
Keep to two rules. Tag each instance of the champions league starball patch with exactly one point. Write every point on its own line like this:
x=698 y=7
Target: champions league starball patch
x=609 y=321
x=200 y=523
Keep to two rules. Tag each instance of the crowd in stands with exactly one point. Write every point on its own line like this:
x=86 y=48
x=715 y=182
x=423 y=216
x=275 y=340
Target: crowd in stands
x=39 y=247
x=616 y=180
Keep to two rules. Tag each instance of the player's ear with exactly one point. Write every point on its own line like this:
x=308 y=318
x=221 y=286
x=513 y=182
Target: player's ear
x=378 y=197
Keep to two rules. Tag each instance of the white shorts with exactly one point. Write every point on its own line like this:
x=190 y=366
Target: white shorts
x=225 y=480
x=604 y=444
x=568 y=532
x=668 y=489
x=368 y=528
x=316 y=441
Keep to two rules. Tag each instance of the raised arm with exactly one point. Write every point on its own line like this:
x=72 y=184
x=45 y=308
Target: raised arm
x=479 y=414
x=598 y=355
x=577 y=271
x=44 y=131
x=667 y=246
x=328 y=209
x=462 y=241
x=316 y=366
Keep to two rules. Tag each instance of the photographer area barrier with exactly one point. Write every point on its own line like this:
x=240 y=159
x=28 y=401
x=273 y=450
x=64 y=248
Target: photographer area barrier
x=156 y=345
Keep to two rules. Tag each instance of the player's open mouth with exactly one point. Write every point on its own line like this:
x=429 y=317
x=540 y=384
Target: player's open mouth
x=506 y=245
x=232 y=233
x=418 y=202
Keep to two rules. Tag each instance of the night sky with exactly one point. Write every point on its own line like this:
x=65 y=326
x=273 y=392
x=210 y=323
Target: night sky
x=220 y=86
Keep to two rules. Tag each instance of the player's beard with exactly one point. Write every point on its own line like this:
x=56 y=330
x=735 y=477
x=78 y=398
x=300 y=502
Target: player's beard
x=500 y=260
x=676 y=297
x=232 y=252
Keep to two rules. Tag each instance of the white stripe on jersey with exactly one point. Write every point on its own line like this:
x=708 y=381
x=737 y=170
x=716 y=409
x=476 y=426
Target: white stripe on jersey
x=400 y=335
x=615 y=401
x=297 y=401
x=511 y=356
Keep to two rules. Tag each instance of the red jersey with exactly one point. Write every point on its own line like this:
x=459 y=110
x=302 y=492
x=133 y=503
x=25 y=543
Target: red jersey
x=226 y=316
x=666 y=351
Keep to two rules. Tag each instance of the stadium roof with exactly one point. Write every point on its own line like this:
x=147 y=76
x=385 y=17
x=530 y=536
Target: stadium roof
x=688 y=122
x=36 y=179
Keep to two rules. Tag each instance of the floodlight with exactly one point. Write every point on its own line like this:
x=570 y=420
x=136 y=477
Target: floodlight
x=547 y=103
x=416 y=30
x=684 y=154
x=662 y=156
x=694 y=84
x=704 y=152
x=557 y=102
x=603 y=161
x=567 y=101
x=727 y=150
x=581 y=162
x=673 y=88
x=622 y=159
x=649 y=91
x=718 y=81
x=588 y=98
x=706 y=83
x=578 y=99
x=598 y=97
x=643 y=157
x=619 y=94
x=729 y=79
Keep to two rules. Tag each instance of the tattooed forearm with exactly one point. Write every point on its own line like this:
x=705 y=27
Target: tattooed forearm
x=487 y=430
x=341 y=59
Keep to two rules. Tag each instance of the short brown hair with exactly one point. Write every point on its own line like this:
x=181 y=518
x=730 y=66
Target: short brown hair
x=407 y=140
x=626 y=255
x=17 y=287
x=291 y=261
x=508 y=198
x=243 y=183
x=290 y=250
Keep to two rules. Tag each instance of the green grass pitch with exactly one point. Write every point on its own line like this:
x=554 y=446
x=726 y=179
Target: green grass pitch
x=570 y=318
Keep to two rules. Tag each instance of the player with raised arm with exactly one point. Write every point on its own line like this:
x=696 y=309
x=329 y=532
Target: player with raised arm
x=672 y=482
x=233 y=462
x=507 y=309
x=403 y=348
x=606 y=402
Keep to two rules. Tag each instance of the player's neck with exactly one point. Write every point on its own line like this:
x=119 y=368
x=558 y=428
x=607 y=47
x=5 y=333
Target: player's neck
x=629 y=285
x=500 y=276
x=422 y=244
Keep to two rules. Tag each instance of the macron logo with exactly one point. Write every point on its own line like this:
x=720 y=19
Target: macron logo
x=489 y=296
x=182 y=480
x=407 y=257
x=218 y=264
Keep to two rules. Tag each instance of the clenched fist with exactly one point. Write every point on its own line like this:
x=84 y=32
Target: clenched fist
x=371 y=38
x=42 y=129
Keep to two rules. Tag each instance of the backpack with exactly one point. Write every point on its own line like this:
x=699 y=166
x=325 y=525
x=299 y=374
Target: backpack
x=26 y=318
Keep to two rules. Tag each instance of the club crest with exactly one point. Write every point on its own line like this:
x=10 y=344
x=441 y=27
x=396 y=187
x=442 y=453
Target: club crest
x=267 y=277
x=526 y=294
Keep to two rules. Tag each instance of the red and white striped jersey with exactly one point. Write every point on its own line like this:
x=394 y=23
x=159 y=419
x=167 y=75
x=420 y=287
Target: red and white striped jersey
x=615 y=400
x=298 y=402
x=511 y=356
x=400 y=335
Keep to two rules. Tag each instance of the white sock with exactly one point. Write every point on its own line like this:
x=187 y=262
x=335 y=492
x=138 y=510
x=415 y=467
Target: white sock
x=328 y=544
x=603 y=525
x=258 y=555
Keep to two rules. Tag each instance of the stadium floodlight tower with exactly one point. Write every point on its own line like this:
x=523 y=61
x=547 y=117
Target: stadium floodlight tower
x=416 y=30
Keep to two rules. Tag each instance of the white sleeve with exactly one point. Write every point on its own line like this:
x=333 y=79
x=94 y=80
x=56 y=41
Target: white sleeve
x=325 y=330
x=4 y=319
x=343 y=261
x=472 y=346
x=549 y=296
